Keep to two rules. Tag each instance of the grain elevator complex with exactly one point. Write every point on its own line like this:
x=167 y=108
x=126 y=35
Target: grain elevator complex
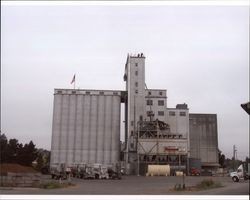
x=86 y=128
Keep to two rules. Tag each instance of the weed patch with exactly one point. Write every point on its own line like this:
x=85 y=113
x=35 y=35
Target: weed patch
x=55 y=185
x=208 y=184
x=203 y=185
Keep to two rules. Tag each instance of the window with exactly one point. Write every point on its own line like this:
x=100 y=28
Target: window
x=136 y=73
x=182 y=113
x=150 y=113
x=136 y=84
x=149 y=102
x=87 y=92
x=160 y=93
x=149 y=93
x=171 y=113
x=141 y=118
x=136 y=64
x=161 y=113
x=115 y=93
x=101 y=93
x=160 y=102
x=73 y=92
x=59 y=92
x=136 y=91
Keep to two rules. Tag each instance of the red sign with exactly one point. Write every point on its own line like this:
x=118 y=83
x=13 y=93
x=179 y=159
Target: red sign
x=171 y=149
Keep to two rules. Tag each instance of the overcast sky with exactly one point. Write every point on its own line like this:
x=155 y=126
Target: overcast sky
x=198 y=53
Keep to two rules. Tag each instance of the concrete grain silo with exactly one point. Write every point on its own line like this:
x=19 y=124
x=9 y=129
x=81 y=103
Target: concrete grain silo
x=86 y=127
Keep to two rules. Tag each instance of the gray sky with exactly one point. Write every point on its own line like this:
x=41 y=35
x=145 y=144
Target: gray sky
x=198 y=53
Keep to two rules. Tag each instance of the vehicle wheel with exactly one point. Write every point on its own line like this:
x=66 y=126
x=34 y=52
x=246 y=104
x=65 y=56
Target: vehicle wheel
x=235 y=179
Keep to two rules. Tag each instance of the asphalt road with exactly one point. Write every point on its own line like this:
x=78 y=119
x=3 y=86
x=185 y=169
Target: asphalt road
x=133 y=185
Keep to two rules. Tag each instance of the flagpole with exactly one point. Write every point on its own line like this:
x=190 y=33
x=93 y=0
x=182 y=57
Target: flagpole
x=75 y=82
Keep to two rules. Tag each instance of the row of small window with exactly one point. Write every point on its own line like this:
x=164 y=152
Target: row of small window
x=87 y=92
x=150 y=102
x=160 y=93
x=172 y=113
x=160 y=113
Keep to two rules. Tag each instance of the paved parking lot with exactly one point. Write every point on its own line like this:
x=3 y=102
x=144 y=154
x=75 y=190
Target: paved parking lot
x=134 y=185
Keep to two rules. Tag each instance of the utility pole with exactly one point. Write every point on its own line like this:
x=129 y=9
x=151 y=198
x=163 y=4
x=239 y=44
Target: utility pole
x=234 y=156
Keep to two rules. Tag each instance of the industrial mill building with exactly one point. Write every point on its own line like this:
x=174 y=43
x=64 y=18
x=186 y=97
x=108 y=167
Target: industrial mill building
x=86 y=127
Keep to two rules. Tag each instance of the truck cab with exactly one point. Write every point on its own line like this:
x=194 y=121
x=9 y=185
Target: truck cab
x=239 y=174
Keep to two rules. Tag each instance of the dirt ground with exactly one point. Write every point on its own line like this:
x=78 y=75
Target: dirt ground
x=15 y=168
x=134 y=185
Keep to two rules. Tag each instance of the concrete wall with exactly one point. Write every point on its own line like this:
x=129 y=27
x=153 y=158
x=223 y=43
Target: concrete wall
x=86 y=127
x=155 y=96
x=20 y=180
x=204 y=138
x=178 y=124
x=149 y=146
x=135 y=85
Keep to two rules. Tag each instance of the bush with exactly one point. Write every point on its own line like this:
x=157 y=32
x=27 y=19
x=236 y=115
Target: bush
x=207 y=184
x=54 y=185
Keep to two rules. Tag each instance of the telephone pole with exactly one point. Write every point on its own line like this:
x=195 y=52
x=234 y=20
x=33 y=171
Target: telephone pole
x=234 y=156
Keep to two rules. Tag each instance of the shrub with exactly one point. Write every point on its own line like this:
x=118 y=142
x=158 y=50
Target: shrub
x=54 y=185
x=207 y=184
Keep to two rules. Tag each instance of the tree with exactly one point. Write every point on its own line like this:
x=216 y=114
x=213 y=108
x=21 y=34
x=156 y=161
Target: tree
x=3 y=148
x=28 y=154
x=222 y=160
x=12 y=151
x=40 y=162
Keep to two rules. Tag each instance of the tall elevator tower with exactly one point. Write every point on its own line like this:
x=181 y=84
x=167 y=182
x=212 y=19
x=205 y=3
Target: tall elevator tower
x=135 y=105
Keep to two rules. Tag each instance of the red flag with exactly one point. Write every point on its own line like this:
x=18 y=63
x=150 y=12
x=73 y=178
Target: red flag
x=73 y=80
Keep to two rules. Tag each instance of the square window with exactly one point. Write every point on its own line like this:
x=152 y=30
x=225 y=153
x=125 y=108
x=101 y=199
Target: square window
x=182 y=113
x=150 y=113
x=171 y=113
x=160 y=93
x=149 y=93
x=149 y=102
x=136 y=64
x=161 y=113
x=160 y=102
x=87 y=93
x=136 y=91
x=59 y=92
x=101 y=93
x=73 y=92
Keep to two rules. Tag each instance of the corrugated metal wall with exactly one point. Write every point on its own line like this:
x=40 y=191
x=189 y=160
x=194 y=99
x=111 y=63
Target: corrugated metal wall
x=86 y=127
